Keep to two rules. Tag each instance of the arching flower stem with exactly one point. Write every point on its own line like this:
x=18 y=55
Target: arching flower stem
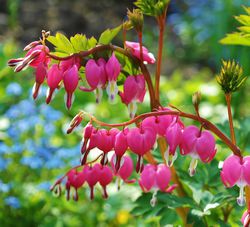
x=206 y=124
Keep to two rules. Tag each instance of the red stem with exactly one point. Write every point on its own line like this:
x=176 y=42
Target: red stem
x=206 y=124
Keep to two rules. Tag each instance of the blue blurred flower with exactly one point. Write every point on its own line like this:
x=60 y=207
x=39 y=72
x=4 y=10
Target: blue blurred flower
x=14 y=89
x=45 y=186
x=12 y=201
x=4 y=187
x=49 y=113
x=32 y=161
x=4 y=148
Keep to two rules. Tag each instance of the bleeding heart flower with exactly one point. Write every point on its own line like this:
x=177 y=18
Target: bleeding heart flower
x=70 y=80
x=135 y=50
x=235 y=171
x=54 y=78
x=125 y=169
x=156 y=178
x=113 y=69
x=69 y=63
x=96 y=77
x=92 y=177
x=199 y=145
x=76 y=180
x=141 y=140
x=174 y=138
x=106 y=141
x=133 y=92
x=105 y=178
x=120 y=146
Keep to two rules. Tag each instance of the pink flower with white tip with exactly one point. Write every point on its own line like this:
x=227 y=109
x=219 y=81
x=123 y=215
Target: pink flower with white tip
x=141 y=140
x=134 y=91
x=173 y=137
x=236 y=171
x=113 y=69
x=96 y=77
x=70 y=81
x=125 y=170
x=156 y=177
x=76 y=180
x=135 y=50
x=199 y=145
x=54 y=78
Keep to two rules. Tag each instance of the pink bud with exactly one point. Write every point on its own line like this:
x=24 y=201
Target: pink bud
x=70 y=80
x=41 y=57
x=31 y=45
x=41 y=74
x=55 y=76
x=135 y=50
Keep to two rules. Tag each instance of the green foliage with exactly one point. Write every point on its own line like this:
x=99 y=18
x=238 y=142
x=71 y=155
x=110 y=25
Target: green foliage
x=243 y=36
x=108 y=35
x=77 y=43
x=231 y=76
x=152 y=7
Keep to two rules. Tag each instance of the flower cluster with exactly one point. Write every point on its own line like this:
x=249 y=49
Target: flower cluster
x=99 y=73
x=139 y=140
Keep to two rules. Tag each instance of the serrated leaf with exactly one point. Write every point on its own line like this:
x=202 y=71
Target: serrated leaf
x=236 y=39
x=79 y=42
x=243 y=19
x=61 y=43
x=108 y=35
x=92 y=42
x=245 y=29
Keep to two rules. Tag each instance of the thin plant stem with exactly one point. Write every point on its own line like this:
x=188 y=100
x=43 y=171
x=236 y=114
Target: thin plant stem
x=230 y=118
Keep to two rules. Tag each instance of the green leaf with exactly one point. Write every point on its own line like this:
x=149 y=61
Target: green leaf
x=236 y=38
x=243 y=19
x=92 y=42
x=242 y=37
x=108 y=35
x=61 y=43
x=79 y=42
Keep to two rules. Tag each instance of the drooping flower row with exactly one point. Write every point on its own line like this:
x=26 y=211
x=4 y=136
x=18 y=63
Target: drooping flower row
x=155 y=177
x=100 y=74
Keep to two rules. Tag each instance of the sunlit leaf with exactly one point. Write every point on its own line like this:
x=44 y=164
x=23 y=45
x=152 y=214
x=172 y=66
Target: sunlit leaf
x=108 y=35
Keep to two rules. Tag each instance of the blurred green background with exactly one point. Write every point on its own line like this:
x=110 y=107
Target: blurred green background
x=34 y=149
